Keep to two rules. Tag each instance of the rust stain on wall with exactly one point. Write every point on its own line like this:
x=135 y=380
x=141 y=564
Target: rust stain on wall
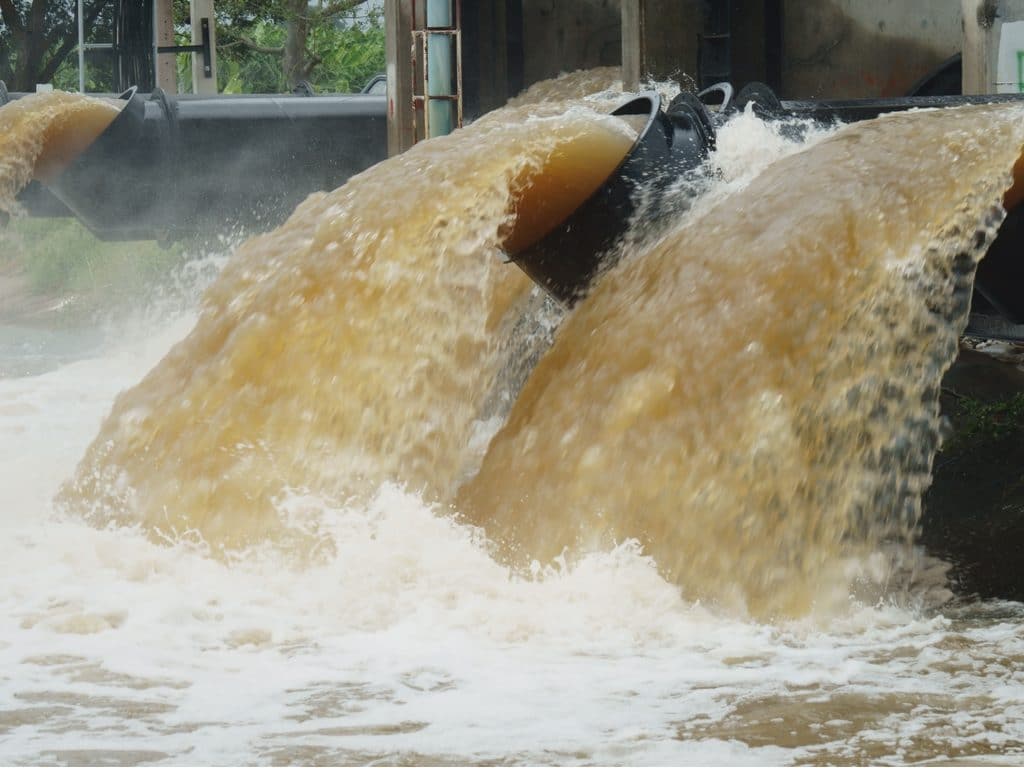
x=830 y=55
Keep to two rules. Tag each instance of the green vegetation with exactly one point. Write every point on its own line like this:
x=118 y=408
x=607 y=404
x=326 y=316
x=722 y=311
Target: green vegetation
x=269 y=46
x=986 y=422
x=346 y=56
x=350 y=56
x=59 y=256
x=263 y=46
x=38 y=36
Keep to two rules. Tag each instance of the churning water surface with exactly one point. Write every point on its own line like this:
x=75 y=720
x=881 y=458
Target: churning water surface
x=303 y=586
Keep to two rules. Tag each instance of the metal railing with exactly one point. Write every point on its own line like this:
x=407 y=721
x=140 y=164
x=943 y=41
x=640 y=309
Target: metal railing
x=438 y=87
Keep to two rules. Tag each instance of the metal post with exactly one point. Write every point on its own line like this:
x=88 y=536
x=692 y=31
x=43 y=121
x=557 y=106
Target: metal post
x=204 y=33
x=976 y=47
x=81 y=46
x=399 y=20
x=633 y=20
x=166 y=63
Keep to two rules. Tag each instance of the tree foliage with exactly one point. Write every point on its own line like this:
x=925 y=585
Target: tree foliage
x=36 y=37
x=266 y=46
x=273 y=45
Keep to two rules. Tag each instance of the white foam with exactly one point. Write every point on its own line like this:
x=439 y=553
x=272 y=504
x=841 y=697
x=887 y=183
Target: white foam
x=412 y=641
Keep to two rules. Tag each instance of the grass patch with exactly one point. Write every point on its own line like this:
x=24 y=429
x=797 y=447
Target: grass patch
x=60 y=256
x=979 y=422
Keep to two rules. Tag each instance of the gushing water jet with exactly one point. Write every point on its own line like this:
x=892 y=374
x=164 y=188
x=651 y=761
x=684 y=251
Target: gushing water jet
x=362 y=298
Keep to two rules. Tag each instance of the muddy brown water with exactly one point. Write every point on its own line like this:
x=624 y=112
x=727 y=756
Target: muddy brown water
x=692 y=531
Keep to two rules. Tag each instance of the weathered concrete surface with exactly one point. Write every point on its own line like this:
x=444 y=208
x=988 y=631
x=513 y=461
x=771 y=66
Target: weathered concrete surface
x=399 y=23
x=831 y=48
x=659 y=39
x=566 y=35
x=865 y=48
x=974 y=511
x=983 y=30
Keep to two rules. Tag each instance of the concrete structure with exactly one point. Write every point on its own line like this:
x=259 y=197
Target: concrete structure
x=166 y=63
x=993 y=46
x=659 y=39
x=492 y=53
x=564 y=35
x=865 y=48
x=400 y=19
x=803 y=48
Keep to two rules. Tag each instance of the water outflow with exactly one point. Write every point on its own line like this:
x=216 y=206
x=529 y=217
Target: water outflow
x=753 y=395
x=42 y=133
x=354 y=345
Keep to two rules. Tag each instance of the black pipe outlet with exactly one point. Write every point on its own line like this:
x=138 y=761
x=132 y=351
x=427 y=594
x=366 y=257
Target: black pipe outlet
x=768 y=106
x=675 y=143
x=171 y=168
x=672 y=144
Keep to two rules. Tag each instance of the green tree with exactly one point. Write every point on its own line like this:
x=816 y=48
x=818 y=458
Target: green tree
x=36 y=37
x=349 y=55
x=333 y=44
x=266 y=46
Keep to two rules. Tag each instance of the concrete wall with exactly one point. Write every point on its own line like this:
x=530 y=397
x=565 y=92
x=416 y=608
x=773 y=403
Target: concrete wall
x=865 y=48
x=993 y=46
x=660 y=40
x=831 y=48
x=566 y=35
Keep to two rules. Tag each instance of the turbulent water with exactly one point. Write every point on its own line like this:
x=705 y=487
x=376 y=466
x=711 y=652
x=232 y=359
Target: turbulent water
x=354 y=345
x=737 y=422
x=766 y=377
x=40 y=134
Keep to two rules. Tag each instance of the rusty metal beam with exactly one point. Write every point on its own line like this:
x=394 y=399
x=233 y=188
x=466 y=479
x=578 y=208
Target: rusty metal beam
x=166 y=63
x=659 y=40
x=399 y=23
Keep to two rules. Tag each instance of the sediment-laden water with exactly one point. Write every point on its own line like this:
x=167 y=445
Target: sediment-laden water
x=767 y=376
x=40 y=134
x=691 y=540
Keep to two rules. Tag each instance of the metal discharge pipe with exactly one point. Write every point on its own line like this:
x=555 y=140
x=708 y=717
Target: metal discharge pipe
x=676 y=142
x=671 y=144
x=170 y=168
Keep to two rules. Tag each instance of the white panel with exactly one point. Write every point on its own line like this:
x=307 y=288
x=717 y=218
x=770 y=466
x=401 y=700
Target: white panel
x=1010 y=64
